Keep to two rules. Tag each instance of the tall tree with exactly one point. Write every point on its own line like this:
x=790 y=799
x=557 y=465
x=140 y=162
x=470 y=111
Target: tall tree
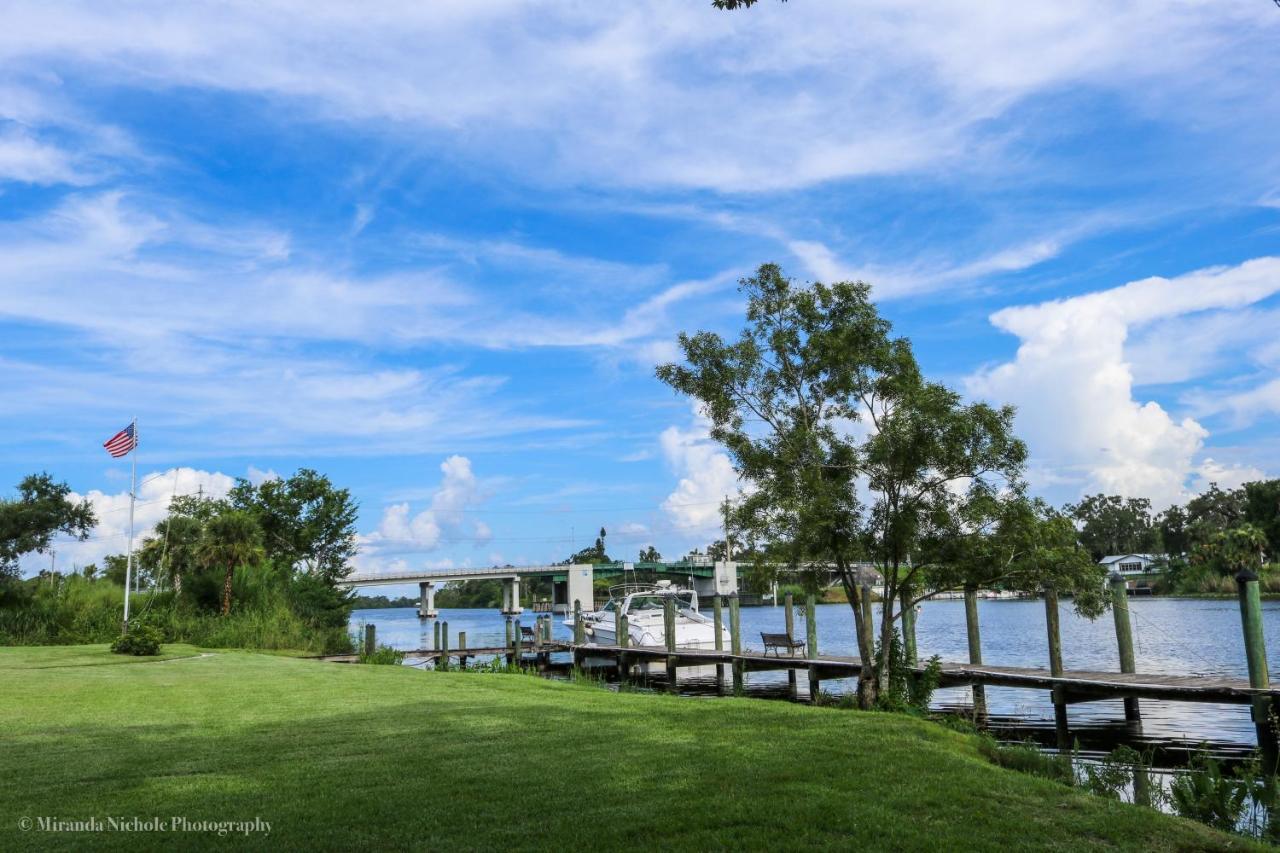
x=42 y=510
x=173 y=552
x=815 y=395
x=306 y=523
x=230 y=540
x=1262 y=510
x=1110 y=524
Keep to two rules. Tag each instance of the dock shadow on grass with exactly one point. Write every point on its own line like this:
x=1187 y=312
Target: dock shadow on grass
x=350 y=757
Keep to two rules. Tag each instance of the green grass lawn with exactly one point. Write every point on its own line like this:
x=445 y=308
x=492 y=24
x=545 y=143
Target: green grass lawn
x=380 y=757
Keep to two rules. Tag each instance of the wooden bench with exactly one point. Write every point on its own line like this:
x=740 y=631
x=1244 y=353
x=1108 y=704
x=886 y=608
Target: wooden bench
x=526 y=635
x=778 y=642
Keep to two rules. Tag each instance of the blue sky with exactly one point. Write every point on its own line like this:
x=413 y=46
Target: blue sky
x=435 y=250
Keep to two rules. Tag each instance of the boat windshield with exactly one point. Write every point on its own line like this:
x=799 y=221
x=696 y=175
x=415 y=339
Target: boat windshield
x=655 y=602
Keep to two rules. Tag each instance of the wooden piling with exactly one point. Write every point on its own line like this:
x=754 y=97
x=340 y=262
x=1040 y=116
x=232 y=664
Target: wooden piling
x=975 y=647
x=518 y=639
x=462 y=647
x=435 y=642
x=370 y=639
x=442 y=662
x=908 y=610
x=1255 y=649
x=735 y=643
x=1055 y=662
x=579 y=627
x=510 y=644
x=788 y=601
x=1124 y=638
x=717 y=619
x=669 y=639
x=622 y=628
x=811 y=644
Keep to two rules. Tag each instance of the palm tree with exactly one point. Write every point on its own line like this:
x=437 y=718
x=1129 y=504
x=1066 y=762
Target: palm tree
x=173 y=553
x=230 y=539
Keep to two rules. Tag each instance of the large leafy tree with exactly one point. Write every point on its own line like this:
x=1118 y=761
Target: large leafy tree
x=1110 y=524
x=230 y=540
x=1262 y=510
x=816 y=400
x=42 y=510
x=306 y=522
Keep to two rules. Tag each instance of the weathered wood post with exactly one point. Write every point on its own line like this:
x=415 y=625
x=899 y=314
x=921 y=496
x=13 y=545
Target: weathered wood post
x=546 y=627
x=1058 y=694
x=788 y=601
x=1255 y=650
x=735 y=642
x=443 y=661
x=579 y=627
x=623 y=639
x=975 y=647
x=717 y=620
x=908 y=626
x=518 y=640
x=462 y=647
x=510 y=644
x=435 y=640
x=1124 y=638
x=669 y=639
x=370 y=638
x=811 y=644
x=537 y=634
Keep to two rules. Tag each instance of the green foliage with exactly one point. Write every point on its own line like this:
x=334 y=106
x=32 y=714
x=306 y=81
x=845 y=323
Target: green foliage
x=230 y=539
x=306 y=523
x=595 y=553
x=649 y=555
x=142 y=640
x=1204 y=793
x=41 y=510
x=383 y=656
x=1029 y=758
x=1229 y=552
x=1110 y=524
x=810 y=362
x=907 y=691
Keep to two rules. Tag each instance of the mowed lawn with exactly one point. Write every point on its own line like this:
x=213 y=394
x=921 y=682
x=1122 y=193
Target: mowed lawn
x=343 y=757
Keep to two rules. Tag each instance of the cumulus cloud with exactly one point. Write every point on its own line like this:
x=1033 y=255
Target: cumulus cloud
x=1074 y=385
x=403 y=535
x=111 y=536
x=706 y=477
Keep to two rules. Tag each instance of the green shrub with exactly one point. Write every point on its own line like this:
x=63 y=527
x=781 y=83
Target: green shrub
x=1204 y=793
x=384 y=656
x=141 y=640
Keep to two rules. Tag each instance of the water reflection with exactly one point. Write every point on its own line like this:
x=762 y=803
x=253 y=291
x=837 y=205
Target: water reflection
x=1180 y=636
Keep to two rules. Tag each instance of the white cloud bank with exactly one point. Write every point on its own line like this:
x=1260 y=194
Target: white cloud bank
x=706 y=477
x=111 y=536
x=1073 y=383
x=404 y=536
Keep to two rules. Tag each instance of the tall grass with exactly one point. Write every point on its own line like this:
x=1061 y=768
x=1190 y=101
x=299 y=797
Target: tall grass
x=75 y=610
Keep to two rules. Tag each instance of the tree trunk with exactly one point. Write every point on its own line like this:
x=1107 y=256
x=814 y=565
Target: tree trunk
x=866 y=652
x=226 y=593
x=177 y=584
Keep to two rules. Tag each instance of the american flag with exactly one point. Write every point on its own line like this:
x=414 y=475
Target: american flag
x=122 y=442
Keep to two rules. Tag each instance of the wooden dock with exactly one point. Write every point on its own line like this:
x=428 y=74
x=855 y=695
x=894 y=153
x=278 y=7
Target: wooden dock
x=1071 y=686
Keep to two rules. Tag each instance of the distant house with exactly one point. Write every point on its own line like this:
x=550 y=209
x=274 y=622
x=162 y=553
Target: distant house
x=1134 y=564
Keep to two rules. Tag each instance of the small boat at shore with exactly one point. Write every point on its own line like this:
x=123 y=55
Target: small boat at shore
x=644 y=606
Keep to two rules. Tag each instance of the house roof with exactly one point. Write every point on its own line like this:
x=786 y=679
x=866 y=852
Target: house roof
x=1146 y=558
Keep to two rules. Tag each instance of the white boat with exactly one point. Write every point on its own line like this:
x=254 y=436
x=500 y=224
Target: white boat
x=644 y=605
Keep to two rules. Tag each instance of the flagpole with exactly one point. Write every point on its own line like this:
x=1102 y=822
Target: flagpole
x=133 y=496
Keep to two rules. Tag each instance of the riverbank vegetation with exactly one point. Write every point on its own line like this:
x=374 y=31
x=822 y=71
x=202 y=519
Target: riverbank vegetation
x=344 y=757
x=257 y=569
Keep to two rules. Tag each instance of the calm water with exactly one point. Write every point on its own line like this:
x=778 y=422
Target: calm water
x=1171 y=635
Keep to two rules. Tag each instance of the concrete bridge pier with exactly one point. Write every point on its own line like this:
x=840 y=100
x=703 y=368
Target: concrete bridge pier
x=427 y=607
x=511 y=597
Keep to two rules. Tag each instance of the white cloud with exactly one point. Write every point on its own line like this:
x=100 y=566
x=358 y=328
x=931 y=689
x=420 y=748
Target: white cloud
x=1074 y=385
x=404 y=535
x=706 y=477
x=28 y=160
x=671 y=92
x=111 y=536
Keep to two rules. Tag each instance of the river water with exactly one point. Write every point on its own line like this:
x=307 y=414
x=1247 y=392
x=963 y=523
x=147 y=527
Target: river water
x=1177 y=636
